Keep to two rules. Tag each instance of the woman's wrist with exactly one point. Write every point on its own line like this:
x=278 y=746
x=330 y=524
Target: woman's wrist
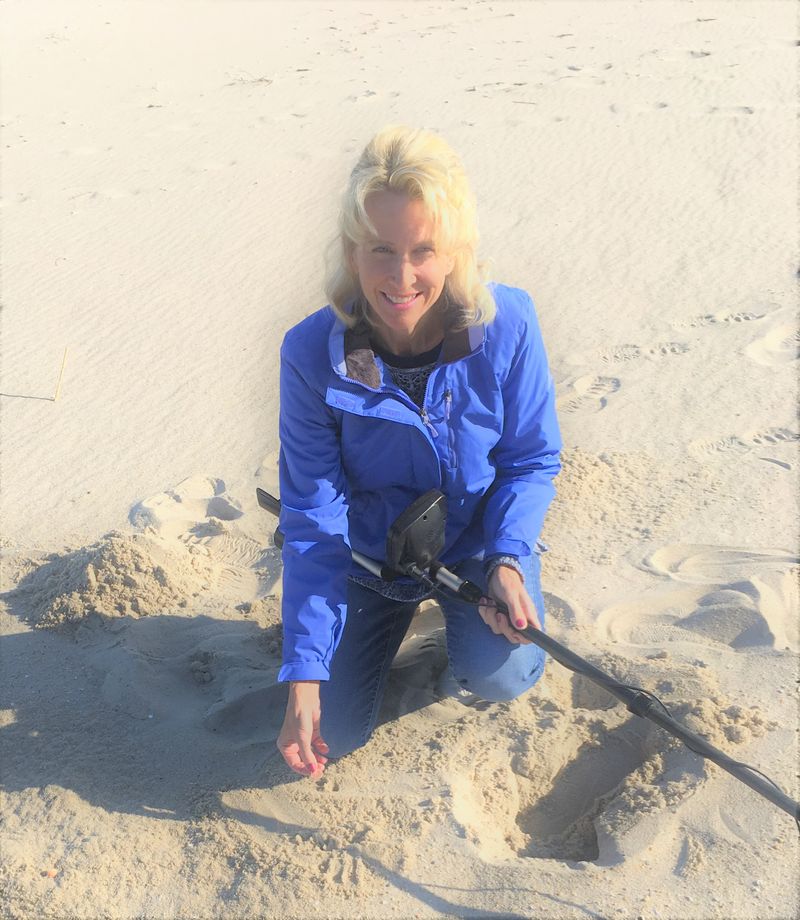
x=299 y=686
x=511 y=562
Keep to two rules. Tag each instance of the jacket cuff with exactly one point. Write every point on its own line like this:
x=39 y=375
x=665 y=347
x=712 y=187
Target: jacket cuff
x=304 y=670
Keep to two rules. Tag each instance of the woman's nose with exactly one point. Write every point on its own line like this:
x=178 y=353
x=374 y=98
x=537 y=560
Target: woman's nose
x=403 y=273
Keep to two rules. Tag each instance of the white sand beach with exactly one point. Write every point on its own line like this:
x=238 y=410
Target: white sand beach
x=170 y=180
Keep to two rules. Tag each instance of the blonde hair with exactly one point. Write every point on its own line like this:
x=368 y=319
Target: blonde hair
x=423 y=166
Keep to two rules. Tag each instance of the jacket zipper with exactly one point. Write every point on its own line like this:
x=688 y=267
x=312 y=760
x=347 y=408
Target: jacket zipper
x=423 y=412
x=427 y=422
x=451 y=445
x=411 y=404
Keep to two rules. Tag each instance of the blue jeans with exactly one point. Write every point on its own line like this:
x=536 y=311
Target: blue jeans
x=481 y=662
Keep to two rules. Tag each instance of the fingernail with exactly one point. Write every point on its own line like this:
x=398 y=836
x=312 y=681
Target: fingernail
x=520 y=623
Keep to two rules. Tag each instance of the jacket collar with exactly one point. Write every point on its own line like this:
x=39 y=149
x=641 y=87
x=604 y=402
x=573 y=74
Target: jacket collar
x=359 y=358
x=353 y=357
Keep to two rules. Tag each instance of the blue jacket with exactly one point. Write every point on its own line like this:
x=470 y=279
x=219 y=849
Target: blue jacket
x=356 y=451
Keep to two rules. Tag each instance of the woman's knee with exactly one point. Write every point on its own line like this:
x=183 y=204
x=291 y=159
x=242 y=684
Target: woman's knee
x=506 y=683
x=341 y=742
x=346 y=724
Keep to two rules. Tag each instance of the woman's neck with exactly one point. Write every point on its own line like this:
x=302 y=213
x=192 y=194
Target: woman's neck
x=427 y=334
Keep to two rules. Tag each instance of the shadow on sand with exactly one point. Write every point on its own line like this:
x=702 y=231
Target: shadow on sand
x=161 y=716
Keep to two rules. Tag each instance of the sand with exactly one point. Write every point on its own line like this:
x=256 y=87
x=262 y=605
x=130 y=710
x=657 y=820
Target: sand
x=170 y=181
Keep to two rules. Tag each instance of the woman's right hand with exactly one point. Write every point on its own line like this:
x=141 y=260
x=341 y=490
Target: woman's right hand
x=300 y=742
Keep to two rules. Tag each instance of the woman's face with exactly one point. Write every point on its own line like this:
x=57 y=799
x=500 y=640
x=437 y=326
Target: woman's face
x=401 y=271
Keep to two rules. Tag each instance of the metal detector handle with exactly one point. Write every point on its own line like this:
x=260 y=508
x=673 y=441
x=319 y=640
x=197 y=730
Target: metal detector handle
x=273 y=505
x=269 y=502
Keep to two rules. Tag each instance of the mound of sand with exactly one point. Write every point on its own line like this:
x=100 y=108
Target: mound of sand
x=116 y=576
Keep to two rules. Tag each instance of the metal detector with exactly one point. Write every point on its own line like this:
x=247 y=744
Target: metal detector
x=415 y=540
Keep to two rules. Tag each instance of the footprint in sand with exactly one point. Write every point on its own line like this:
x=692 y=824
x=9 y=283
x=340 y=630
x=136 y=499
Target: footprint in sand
x=745 y=443
x=624 y=353
x=774 y=436
x=620 y=353
x=193 y=501
x=729 y=616
x=267 y=474
x=591 y=394
x=198 y=512
x=664 y=349
x=562 y=615
x=716 y=319
x=358 y=97
x=779 y=346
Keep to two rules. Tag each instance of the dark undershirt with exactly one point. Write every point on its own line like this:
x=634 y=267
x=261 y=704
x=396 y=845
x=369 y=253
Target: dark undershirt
x=406 y=361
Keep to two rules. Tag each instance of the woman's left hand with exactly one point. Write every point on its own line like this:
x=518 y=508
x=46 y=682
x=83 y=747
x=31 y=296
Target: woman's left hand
x=506 y=585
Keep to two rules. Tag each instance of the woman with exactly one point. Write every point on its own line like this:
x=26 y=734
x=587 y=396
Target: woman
x=417 y=376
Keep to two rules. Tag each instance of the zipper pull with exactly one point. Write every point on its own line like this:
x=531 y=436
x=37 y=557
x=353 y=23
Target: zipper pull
x=427 y=422
x=448 y=404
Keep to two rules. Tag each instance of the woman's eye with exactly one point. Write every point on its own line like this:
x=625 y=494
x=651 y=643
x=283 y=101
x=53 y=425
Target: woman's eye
x=420 y=250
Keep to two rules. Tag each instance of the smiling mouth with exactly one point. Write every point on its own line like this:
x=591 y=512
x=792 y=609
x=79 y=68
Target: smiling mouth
x=402 y=301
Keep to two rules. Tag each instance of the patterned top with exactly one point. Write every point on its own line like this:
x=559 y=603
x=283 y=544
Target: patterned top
x=410 y=372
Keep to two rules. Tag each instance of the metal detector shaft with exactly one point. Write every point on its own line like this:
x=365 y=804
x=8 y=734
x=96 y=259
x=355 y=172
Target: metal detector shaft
x=638 y=702
x=273 y=505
